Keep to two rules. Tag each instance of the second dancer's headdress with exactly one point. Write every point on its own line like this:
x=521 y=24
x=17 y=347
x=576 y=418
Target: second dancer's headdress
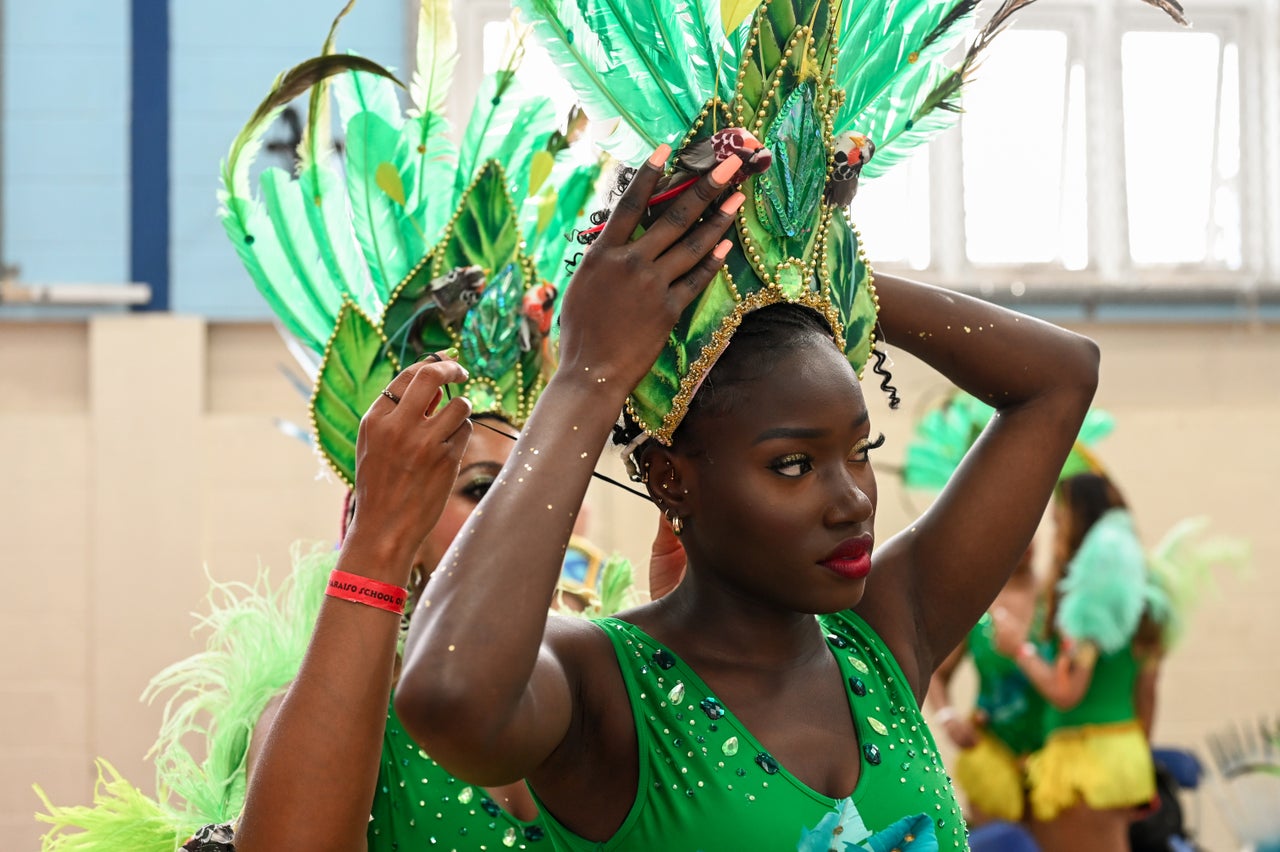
x=414 y=244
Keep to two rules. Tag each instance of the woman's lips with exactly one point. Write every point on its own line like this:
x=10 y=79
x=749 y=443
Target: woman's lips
x=852 y=559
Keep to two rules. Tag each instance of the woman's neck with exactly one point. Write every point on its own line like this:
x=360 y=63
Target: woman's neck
x=708 y=620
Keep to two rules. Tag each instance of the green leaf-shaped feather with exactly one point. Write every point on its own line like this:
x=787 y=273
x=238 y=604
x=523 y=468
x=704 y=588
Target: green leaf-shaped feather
x=388 y=236
x=508 y=125
x=356 y=368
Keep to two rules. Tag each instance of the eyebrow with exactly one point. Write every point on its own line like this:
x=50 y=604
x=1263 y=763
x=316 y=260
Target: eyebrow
x=491 y=466
x=801 y=433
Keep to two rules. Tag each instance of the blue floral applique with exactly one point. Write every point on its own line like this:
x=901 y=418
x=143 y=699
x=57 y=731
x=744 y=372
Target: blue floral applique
x=845 y=831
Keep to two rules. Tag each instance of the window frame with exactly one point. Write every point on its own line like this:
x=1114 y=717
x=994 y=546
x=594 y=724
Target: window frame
x=1094 y=31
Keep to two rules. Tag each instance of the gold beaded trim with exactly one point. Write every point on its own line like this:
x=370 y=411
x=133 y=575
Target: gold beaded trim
x=529 y=269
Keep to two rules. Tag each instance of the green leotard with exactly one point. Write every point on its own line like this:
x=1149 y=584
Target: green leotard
x=1109 y=698
x=707 y=785
x=1014 y=710
x=419 y=806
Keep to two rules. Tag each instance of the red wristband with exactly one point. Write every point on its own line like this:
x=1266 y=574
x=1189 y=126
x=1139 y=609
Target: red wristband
x=353 y=587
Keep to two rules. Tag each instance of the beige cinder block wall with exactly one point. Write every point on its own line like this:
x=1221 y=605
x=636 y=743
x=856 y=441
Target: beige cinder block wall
x=138 y=450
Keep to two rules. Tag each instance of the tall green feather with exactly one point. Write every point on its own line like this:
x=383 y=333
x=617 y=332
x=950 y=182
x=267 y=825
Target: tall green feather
x=648 y=63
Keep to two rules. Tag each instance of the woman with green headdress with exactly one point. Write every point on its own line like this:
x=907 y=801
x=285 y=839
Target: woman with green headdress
x=771 y=700
x=1006 y=723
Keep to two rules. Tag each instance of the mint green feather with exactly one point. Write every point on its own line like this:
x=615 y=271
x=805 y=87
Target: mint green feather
x=433 y=195
x=437 y=56
x=1183 y=564
x=252 y=236
x=356 y=92
x=287 y=211
x=1107 y=586
x=617 y=57
x=885 y=54
x=509 y=125
x=387 y=237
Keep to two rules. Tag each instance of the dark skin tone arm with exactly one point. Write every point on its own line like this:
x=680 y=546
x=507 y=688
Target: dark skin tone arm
x=555 y=711
x=934 y=580
x=494 y=724
x=329 y=723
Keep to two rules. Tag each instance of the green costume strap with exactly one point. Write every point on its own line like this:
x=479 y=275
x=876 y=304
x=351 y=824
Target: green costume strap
x=1109 y=698
x=420 y=806
x=706 y=784
x=1014 y=709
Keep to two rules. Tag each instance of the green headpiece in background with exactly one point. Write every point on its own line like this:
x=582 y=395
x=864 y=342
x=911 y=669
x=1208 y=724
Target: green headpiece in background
x=421 y=244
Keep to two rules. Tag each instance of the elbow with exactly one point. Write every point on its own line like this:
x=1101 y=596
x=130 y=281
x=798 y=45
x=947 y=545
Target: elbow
x=432 y=713
x=1081 y=368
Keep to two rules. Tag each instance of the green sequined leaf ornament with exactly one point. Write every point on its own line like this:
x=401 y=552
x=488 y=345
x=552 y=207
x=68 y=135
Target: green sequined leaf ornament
x=850 y=284
x=792 y=189
x=356 y=368
x=491 y=330
x=485 y=230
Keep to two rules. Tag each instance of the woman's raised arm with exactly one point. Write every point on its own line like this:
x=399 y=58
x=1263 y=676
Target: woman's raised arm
x=330 y=723
x=940 y=574
x=479 y=690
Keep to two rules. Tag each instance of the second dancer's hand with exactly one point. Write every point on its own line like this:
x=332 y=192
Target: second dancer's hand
x=407 y=456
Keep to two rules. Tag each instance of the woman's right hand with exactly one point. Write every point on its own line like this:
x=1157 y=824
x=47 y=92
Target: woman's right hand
x=407 y=457
x=628 y=293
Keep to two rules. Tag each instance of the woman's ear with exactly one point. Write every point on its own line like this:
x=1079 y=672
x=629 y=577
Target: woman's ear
x=662 y=473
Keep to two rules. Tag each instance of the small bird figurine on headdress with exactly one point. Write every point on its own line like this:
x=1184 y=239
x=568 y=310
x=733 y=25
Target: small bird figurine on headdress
x=852 y=152
x=455 y=293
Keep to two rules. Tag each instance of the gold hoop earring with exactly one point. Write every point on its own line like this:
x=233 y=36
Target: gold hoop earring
x=677 y=524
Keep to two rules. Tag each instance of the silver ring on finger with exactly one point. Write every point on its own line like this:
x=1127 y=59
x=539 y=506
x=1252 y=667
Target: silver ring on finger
x=389 y=395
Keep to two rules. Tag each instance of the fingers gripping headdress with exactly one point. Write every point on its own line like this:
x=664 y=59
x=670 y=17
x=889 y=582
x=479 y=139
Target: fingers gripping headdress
x=416 y=244
x=822 y=84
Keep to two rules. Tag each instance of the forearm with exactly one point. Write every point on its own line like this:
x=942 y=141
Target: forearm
x=1001 y=357
x=1062 y=684
x=330 y=726
x=487 y=601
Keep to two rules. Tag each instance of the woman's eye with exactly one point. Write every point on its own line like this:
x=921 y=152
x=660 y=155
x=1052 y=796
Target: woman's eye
x=793 y=465
x=863 y=448
x=477 y=488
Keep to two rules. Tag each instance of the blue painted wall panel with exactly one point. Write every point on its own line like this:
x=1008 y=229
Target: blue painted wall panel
x=225 y=57
x=64 y=69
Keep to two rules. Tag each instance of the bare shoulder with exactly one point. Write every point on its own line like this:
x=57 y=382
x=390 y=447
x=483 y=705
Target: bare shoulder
x=589 y=780
x=889 y=608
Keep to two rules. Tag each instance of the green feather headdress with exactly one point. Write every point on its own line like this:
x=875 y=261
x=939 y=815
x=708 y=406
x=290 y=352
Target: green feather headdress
x=945 y=434
x=416 y=244
x=822 y=84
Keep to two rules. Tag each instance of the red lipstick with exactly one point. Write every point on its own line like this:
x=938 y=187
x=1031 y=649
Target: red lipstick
x=852 y=559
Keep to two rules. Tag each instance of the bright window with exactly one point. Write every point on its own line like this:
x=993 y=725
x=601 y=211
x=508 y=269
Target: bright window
x=1182 y=148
